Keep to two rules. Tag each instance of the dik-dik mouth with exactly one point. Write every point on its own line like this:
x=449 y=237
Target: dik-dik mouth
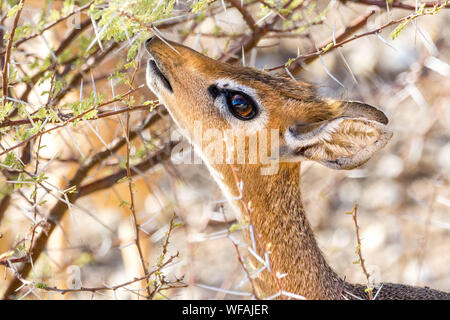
x=155 y=72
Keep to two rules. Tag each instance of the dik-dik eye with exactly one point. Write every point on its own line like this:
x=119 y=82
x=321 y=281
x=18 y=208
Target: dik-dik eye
x=241 y=105
x=238 y=103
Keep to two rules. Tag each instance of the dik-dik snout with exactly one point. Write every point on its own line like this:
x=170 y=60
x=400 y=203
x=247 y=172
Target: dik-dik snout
x=245 y=101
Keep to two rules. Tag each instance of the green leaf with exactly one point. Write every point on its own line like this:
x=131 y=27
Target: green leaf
x=289 y=62
x=200 y=5
x=234 y=227
x=5 y=109
x=132 y=51
x=12 y=12
x=176 y=225
x=40 y=285
x=399 y=29
x=83 y=259
x=123 y=203
x=327 y=47
x=11 y=161
x=32 y=131
x=122 y=179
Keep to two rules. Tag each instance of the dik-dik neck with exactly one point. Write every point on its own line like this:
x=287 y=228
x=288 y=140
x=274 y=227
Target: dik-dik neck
x=278 y=217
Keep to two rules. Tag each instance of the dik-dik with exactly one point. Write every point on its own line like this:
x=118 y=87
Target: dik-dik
x=237 y=101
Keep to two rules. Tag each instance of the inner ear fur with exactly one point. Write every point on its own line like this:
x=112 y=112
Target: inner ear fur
x=344 y=142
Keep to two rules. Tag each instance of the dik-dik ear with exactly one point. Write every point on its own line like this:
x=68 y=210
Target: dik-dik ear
x=344 y=142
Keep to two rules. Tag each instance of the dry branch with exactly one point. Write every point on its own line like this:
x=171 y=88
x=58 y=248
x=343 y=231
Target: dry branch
x=116 y=287
x=395 y=4
x=51 y=25
x=64 y=123
x=354 y=26
x=8 y=51
x=57 y=212
x=361 y=260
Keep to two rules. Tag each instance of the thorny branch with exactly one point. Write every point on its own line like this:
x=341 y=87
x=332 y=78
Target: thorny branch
x=147 y=276
x=395 y=4
x=361 y=260
x=135 y=224
x=101 y=114
x=57 y=212
x=357 y=24
x=64 y=123
x=51 y=25
x=344 y=38
x=261 y=245
x=8 y=51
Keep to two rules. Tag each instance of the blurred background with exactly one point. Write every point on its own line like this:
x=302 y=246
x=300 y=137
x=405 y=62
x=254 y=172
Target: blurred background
x=403 y=192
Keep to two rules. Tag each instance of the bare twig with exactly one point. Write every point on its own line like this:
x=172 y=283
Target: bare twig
x=135 y=225
x=57 y=212
x=105 y=114
x=354 y=214
x=261 y=245
x=70 y=120
x=343 y=38
x=357 y=24
x=247 y=43
x=8 y=51
x=51 y=25
x=112 y=288
x=395 y=4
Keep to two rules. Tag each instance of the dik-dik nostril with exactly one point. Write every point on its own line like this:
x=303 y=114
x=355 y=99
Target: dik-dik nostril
x=148 y=41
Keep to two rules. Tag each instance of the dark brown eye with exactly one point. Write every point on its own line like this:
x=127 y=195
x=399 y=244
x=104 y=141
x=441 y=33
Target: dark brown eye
x=241 y=106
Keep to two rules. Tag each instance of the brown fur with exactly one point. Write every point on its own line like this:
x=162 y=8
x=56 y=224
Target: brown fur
x=276 y=208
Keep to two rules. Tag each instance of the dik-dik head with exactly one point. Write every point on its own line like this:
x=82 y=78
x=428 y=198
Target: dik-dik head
x=246 y=101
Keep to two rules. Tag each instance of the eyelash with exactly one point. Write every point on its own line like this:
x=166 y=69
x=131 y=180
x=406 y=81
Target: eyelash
x=228 y=94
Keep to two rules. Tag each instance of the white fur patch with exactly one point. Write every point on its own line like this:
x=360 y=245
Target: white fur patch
x=153 y=82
